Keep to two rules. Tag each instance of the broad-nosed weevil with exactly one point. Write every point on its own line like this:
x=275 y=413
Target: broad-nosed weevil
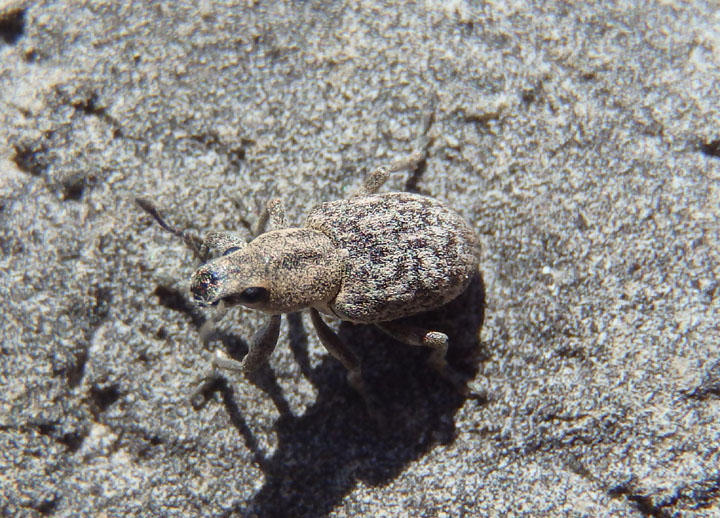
x=371 y=258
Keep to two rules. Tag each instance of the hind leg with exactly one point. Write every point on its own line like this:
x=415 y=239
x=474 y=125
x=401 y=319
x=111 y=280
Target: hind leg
x=417 y=336
x=435 y=340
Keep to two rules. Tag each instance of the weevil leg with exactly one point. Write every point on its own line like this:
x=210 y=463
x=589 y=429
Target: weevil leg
x=436 y=340
x=373 y=182
x=208 y=328
x=274 y=212
x=259 y=350
x=341 y=352
x=191 y=240
x=261 y=222
x=216 y=244
x=416 y=336
x=261 y=346
x=379 y=176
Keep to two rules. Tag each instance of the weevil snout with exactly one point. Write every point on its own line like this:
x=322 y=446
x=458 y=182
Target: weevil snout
x=205 y=286
x=230 y=279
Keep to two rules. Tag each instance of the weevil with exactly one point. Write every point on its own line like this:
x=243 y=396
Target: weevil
x=370 y=258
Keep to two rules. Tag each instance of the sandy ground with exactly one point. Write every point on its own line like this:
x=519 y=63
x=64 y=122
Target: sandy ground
x=582 y=142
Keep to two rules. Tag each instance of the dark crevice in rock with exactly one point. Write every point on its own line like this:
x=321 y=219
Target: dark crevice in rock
x=31 y=56
x=72 y=440
x=103 y=300
x=87 y=102
x=35 y=156
x=30 y=157
x=101 y=398
x=706 y=392
x=709 y=387
x=89 y=105
x=76 y=370
x=48 y=506
x=697 y=495
x=531 y=95
x=12 y=26
x=149 y=442
x=92 y=316
x=711 y=148
x=643 y=503
x=705 y=493
x=74 y=187
x=234 y=152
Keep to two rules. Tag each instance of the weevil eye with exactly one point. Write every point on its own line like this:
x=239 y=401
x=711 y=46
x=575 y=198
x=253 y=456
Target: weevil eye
x=231 y=250
x=249 y=295
x=254 y=294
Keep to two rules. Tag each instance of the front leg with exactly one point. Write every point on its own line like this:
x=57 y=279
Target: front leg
x=379 y=176
x=261 y=346
x=274 y=212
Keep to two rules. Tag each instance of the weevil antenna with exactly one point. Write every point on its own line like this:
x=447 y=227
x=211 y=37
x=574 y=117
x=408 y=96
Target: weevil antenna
x=192 y=241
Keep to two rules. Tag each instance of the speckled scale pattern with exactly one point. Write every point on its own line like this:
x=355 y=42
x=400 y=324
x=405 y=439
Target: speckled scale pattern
x=406 y=254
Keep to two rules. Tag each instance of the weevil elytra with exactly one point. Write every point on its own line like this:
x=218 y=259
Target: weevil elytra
x=370 y=258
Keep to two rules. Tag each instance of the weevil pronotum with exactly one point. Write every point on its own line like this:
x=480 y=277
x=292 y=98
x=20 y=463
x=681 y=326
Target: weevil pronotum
x=371 y=258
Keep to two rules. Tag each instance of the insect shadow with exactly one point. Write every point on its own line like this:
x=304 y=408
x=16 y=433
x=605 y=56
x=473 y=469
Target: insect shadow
x=322 y=454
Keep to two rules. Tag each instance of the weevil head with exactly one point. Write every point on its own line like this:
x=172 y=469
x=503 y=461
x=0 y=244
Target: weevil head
x=278 y=272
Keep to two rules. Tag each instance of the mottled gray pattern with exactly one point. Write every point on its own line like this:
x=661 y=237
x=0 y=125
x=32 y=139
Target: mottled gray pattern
x=406 y=254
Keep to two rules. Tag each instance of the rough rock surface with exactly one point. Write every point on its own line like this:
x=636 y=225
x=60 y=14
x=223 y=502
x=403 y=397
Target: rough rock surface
x=582 y=142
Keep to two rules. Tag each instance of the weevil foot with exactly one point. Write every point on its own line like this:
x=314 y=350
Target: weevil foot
x=206 y=387
x=220 y=360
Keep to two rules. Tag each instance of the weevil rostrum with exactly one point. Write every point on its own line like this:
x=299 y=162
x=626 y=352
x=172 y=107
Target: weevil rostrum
x=370 y=258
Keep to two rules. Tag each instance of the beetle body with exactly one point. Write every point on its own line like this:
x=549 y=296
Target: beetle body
x=404 y=254
x=372 y=258
x=367 y=259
